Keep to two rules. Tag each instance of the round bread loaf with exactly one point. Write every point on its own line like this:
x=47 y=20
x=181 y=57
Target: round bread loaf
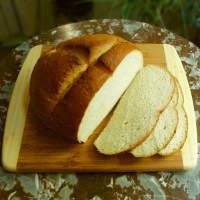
x=76 y=83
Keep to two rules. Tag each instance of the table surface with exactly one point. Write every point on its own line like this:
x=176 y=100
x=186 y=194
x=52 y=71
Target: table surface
x=161 y=185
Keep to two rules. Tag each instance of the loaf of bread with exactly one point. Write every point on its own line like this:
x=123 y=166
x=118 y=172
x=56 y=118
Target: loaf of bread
x=138 y=111
x=76 y=83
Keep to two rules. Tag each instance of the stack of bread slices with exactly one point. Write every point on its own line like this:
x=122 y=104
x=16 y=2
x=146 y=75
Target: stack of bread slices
x=149 y=119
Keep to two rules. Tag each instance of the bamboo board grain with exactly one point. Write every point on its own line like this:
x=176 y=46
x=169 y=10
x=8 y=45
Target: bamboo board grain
x=28 y=146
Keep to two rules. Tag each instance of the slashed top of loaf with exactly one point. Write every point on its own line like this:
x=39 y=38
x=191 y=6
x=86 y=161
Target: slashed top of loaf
x=50 y=84
x=97 y=44
x=138 y=110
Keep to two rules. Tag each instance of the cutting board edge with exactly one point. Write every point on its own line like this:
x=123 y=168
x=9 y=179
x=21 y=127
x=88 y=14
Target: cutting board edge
x=13 y=133
x=188 y=161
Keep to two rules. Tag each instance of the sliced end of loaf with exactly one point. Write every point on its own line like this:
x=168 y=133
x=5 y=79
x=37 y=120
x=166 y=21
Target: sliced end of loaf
x=108 y=95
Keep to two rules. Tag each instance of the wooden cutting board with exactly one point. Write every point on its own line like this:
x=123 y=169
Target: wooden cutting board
x=30 y=147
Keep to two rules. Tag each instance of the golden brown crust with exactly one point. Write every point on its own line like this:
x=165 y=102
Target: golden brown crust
x=66 y=78
x=53 y=75
x=96 y=44
x=119 y=51
x=77 y=99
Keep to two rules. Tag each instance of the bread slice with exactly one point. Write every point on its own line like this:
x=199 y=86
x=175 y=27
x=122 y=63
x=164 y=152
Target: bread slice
x=163 y=132
x=180 y=136
x=75 y=85
x=138 y=111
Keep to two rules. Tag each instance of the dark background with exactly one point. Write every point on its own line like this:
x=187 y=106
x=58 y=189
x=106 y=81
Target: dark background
x=22 y=19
